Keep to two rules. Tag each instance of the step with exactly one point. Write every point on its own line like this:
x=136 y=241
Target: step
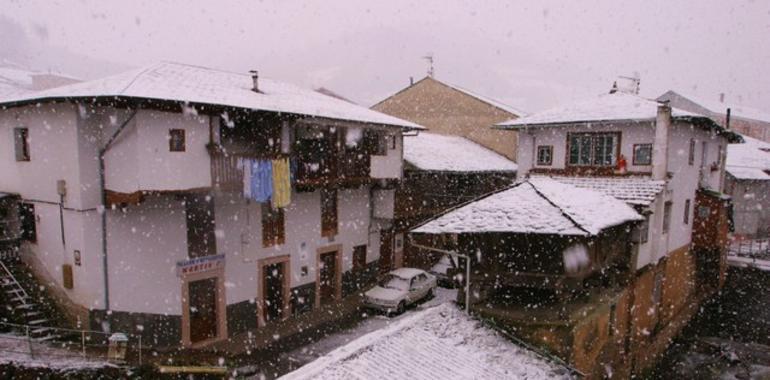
x=13 y=291
x=30 y=314
x=40 y=330
x=25 y=306
x=47 y=338
x=20 y=299
x=38 y=322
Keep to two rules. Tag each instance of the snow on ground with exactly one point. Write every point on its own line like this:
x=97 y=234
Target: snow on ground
x=539 y=205
x=441 y=342
x=749 y=160
x=430 y=151
x=16 y=349
x=606 y=107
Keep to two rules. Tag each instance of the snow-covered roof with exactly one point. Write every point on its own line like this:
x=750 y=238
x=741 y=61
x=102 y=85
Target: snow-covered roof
x=434 y=152
x=736 y=110
x=540 y=205
x=439 y=343
x=619 y=106
x=637 y=191
x=200 y=85
x=406 y=272
x=749 y=160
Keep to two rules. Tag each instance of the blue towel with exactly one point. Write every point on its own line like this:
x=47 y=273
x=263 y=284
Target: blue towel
x=261 y=180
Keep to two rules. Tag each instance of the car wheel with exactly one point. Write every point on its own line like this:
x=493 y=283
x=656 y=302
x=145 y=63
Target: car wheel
x=401 y=307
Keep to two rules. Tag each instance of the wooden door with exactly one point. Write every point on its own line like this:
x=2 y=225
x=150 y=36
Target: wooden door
x=273 y=282
x=328 y=277
x=386 y=251
x=203 y=309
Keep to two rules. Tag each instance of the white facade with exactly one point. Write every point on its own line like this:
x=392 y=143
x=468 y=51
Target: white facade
x=684 y=178
x=145 y=241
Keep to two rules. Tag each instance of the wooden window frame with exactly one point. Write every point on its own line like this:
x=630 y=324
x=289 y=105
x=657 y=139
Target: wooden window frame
x=546 y=148
x=273 y=225
x=21 y=144
x=329 y=212
x=686 y=217
x=691 y=153
x=635 y=159
x=591 y=156
x=177 y=136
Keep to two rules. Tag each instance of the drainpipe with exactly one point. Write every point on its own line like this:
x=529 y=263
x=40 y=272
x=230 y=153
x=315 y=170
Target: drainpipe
x=660 y=150
x=103 y=197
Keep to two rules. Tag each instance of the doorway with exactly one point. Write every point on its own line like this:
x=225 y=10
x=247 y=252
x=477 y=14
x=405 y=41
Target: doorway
x=386 y=251
x=273 y=289
x=273 y=276
x=329 y=275
x=203 y=307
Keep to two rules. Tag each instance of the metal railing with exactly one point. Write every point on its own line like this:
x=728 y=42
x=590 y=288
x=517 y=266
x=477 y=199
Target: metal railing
x=751 y=248
x=68 y=343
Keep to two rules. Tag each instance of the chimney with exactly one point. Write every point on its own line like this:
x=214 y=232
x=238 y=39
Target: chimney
x=660 y=146
x=721 y=97
x=255 y=79
x=411 y=81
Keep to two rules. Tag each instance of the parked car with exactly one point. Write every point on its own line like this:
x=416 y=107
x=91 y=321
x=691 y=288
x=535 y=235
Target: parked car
x=399 y=289
x=444 y=270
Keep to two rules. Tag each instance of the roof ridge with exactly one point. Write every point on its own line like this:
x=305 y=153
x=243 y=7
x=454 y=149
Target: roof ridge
x=485 y=99
x=571 y=219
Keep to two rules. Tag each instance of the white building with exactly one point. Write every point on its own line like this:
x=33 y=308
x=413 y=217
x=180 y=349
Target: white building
x=181 y=254
x=748 y=182
x=639 y=150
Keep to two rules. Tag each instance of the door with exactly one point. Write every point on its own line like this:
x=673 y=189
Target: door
x=203 y=309
x=398 y=250
x=328 y=277
x=273 y=281
x=386 y=251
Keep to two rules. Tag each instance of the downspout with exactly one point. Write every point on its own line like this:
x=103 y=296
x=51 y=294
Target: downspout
x=103 y=197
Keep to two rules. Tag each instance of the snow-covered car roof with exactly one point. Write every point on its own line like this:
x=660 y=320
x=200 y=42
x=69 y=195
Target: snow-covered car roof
x=169 y=81
x=406 y=273
x=636 y=191
x=616 y=107
x=434 y=152
x=439 y=343
x=538 y=205
x=749 y=160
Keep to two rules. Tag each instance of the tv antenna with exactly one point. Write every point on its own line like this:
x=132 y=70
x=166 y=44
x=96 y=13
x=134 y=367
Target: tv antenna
x=429 y=58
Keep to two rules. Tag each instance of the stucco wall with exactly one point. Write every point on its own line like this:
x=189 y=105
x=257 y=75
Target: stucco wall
x=445 y=110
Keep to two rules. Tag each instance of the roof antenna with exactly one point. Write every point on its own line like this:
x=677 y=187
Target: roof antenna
x=429 y=58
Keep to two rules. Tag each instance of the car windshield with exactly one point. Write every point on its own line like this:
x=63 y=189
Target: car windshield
x=394 y=282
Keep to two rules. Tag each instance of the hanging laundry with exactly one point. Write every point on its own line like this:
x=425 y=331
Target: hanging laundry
x=261 y=180
x=281 y=183
x=244 y=164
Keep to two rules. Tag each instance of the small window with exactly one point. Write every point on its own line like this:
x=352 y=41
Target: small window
x=28 y=222
x=657 y=289
x=176 y=140
x=644 y=230
x=359 y=258
x=545 y=155
x=273 y=232
x=687 y=211
x=21 y=143
x=642 y=154
x=328 y=212
x=611 y=323
x=375 y=143
x=391 y=142
x=691 y=155
x=666 y=216
x=720 y=152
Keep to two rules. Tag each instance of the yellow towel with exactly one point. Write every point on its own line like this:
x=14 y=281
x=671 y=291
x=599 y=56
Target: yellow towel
x=281 y=183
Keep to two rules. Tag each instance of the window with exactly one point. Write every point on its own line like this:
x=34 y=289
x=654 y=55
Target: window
x=691 y=155
x=391 y=142
x=657 y=289
x=720 y=152
x=593 y=149
x=375 y=143
x=687 y=211
x=176 y=140
x=545 y=155
x=359 y=258
x=666 y=216
x=611 y=323
x=273 y=232
x=644 y=230
x=199 y=215
x=28 y=222
x=21 y=143
x=328 y=212
x=704 y=153
x=642 y=154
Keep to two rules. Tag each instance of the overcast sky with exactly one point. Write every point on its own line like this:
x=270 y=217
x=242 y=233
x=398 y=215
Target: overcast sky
x=529 y=54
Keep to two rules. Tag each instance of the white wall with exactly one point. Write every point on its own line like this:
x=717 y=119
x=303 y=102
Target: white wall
x=390 y=165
